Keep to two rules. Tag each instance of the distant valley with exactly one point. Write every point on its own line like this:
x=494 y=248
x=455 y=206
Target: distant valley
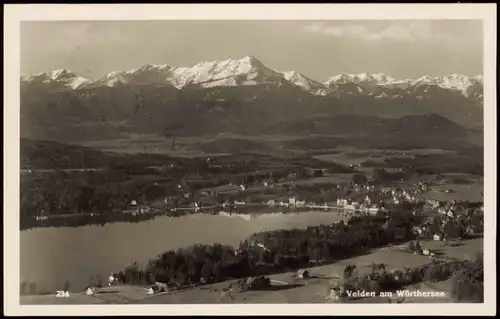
x=247 y=98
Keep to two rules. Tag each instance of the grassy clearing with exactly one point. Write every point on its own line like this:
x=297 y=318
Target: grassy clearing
x=356 y=156
x=468 y=192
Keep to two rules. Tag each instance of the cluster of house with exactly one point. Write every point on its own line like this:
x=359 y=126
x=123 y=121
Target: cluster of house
x=291 y=202
x=365 y=205
x=159 y=287
x=449 y=215
x=398 y=195
x=417 y=249
x=252 y=244
x=135 y=209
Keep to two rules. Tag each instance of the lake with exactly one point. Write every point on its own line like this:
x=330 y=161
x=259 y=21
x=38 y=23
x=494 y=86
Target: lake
x=51 y=256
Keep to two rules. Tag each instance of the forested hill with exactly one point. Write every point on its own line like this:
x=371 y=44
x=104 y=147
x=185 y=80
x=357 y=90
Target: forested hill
x=36 y=154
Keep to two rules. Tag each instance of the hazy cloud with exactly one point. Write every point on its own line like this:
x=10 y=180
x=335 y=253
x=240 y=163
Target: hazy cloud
x=318 y=48
x=400 y=31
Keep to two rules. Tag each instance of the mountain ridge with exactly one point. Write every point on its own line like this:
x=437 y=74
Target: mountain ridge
x=251 y=71
x=237 y=96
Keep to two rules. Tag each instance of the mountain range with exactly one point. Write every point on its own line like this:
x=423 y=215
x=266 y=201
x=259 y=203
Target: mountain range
x=244 y=97
x=250 y=71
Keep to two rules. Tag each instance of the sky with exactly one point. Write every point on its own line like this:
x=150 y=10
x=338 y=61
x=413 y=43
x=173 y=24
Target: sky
x=319 y=49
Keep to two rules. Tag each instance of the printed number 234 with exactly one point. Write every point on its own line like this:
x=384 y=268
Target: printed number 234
x=61 y=293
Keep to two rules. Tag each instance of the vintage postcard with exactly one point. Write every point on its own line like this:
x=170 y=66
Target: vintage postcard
x=250 y=159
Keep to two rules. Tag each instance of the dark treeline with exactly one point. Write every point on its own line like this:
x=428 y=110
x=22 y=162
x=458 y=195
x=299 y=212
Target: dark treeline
x=381 y=176
x=59 y=193
x=467 y=162
x=36 y=154
x=117 y=217
x=468 y=281
x=274 y=251
x=110 y=190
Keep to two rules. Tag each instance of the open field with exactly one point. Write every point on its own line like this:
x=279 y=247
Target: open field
x=327 y=179
x=210 y=145
x=356 y=156
x=468 y=192
x=268 y=143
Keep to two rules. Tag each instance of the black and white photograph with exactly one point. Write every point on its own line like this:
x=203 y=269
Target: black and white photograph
x=260 y=161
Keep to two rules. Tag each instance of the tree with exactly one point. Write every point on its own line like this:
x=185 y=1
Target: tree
x=99 y=282
x=325 y=252
x=262 y=256
x=359 y=179
x=433 y=273
x=218 y=274
x=207 y=270
x=349 y=270
x=417 y=246
x=151 y=278
x=318 y=173
x=468 y=282
x=316 y=253
x=451 y=230
x=379 y=174
x=411 y=246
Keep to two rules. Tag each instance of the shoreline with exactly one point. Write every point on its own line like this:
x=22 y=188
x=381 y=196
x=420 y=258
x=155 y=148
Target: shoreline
x=322 y=276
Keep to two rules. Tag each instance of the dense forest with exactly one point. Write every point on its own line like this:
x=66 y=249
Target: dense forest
x=286 y=250
x=99 y=195
x=468 y=281
x=272 y=251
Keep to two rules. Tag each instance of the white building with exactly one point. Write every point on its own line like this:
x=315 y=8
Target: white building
x=341 y=202
x=368 y=200
x=300 y=203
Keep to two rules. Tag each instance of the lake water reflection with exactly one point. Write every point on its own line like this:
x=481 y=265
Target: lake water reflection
x=50 y=256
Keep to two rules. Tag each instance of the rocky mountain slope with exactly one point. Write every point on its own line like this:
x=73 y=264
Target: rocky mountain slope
x=238 y=96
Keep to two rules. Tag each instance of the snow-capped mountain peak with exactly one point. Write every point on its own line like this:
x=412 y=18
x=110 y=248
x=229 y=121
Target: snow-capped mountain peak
x=64 y=77
x=61 y=73
x=55 y=74
x=228 y=72
x=457 y=82
x=231 y=72
x=249 y=70
x=302 y=81
x=361 y=78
